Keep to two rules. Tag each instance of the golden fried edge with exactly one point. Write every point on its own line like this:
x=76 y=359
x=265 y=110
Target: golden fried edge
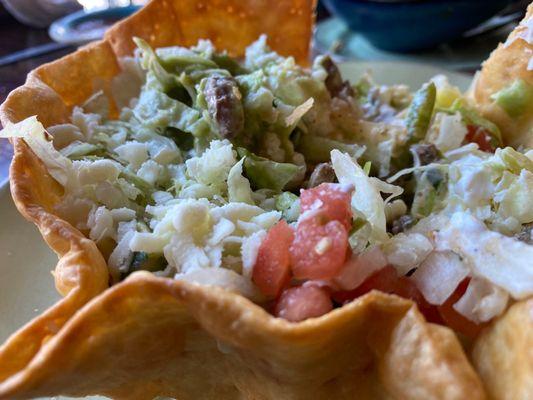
x=90 y=277
x=505 y=64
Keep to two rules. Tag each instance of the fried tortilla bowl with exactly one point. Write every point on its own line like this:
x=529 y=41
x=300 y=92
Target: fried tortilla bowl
x=507 y=63
x=150 y=336
x=503 y=354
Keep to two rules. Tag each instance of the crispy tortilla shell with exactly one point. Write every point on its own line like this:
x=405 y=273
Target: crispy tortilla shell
x=151 y=336
x=503 y=354
x=80 y=274
x=230 y=24
x=506 y=63
x=158 y=336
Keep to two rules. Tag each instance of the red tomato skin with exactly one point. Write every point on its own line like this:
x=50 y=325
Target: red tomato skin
x=310 y=260
x=303 y=302
x=481 y=136
x=386 y=280
x=406 y=288
x=455 y=320
x=271 y=272
x=383 y=280
x=332 y=199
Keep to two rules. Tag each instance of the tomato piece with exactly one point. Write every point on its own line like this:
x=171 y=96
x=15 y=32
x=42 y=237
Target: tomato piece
x=407 y=289
x=479 y=135
x=332 y=199
x=271 y=272
x=383 y=280
x=387 y=280
x=455 y=320
x=358 y=268
x=318 y=250
x=302 y=302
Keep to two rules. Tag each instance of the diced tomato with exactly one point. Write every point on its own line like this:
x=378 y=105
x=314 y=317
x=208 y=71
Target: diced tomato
x=271 y=272
x=479 y=135
x=332 y=199
x=455 y=320
x=359 y=267
x=387 y=280
x=319 y=250
x=302 y=302
x=407 y=289
x=383 y=280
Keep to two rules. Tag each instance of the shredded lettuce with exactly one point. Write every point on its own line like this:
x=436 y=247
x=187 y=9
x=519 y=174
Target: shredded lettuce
x=482 y=301
x=294 y=117
x=517 y=199
x=504 y=261
x=34 y=134
x=289 y=205
x=513 y=160
x=214 y=165
x=267 y=174
x=150 y=61
x=366 y=198
x=420 y=112
x=472 y=117
x=446 y=92
x=515 y=98
x=429 y=193
x=238 y=186
x=317 y=149
x=452 y=131
x=211 y=151
x=157 y=110
x=76 y=150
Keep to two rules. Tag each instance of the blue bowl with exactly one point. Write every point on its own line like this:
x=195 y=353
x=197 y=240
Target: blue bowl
x=411 y=25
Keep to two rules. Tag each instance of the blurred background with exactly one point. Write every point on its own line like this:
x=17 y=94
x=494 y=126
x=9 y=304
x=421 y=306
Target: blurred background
x=451 y=34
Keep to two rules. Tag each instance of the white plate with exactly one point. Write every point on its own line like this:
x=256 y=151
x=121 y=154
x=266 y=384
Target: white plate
x=462 y=54
x=26 y=285
x=406 y=72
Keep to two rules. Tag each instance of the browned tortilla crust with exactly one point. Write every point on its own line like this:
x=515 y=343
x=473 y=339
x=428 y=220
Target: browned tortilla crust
x=151 y=336
x=158 y=336
x=503 y=354
x=505 y=64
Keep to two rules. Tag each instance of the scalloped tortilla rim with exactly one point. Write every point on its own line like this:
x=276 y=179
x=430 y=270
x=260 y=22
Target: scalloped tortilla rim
x=507 y=62
x=150 y=336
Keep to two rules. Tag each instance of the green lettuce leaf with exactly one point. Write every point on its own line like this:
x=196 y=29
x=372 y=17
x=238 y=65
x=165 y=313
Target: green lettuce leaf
x=265 y=173
x=367 y=199
x=420 y=112
x=289 y=205
x=317 y=149
x=179 y=59
x=224 y=61
x=238 y=186
x=151 y=62
x=156 y=110
x=471 y=117
x=139 y=183
x=34 y=134
x=517 y=199
x=515 y=99
x=76 y=150
x=513 y=160
x=429 y=193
